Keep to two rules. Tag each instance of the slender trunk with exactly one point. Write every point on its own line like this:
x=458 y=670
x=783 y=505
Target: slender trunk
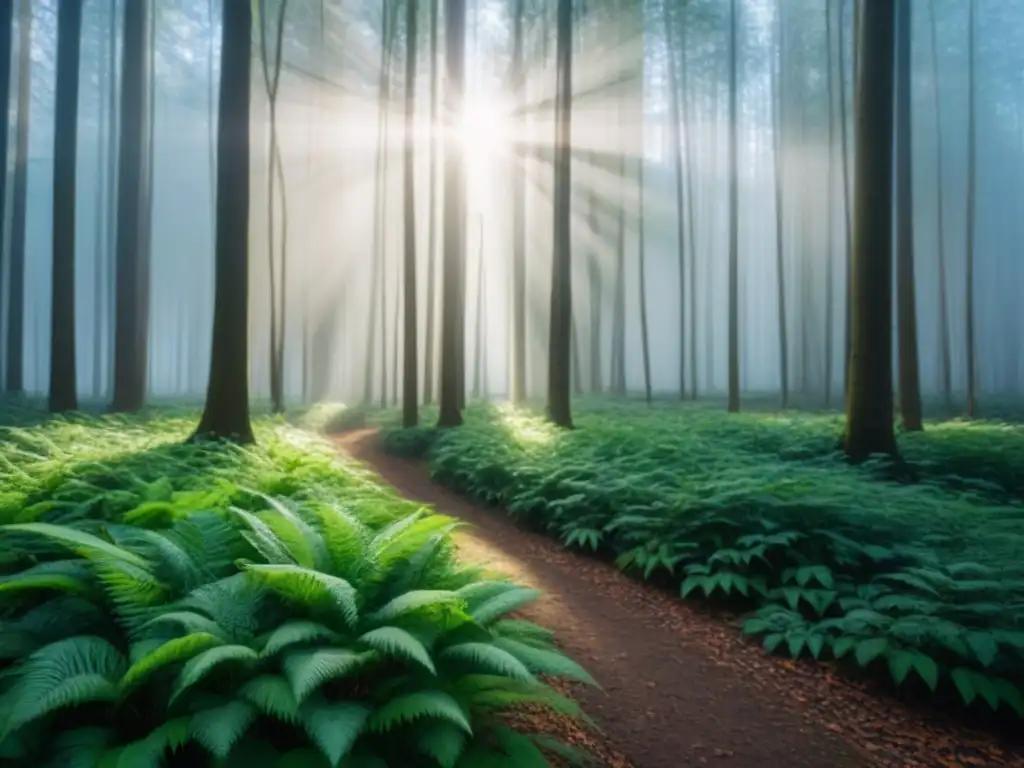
x=478 y=337
x=63 y=364
x=103 y=164
x=518 y=389
x=6 y=59
x=830 y=203
x=844 y=131
x=677 y=162
x=869 y=402
x=690 y=172
x=428 y=352
x=226 y=415
x=16 y=296
x=410 y=389
x=734 y=337
x=645 y=343
x=940 y=205
x=454 y=214
x=906 y=304
x=972 y=180
x=780 y=263
x=560 y=340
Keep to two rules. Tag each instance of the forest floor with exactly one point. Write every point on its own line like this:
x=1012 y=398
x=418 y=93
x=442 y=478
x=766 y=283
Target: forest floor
x=678 y=685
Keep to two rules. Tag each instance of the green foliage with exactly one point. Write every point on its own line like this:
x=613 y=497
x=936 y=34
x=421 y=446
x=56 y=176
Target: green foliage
x=921 y=581
x=210 y=605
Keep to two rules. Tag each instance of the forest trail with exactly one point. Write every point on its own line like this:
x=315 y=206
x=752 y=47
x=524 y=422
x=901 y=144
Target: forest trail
x=668 y=699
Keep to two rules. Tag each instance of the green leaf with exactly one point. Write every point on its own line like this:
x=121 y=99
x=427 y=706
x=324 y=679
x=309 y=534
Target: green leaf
x=870 y=649
x=963 y=679
x=307 y=587
x=174 y=651
x=984 y=647
x=412 y=601
x=691 y=583
x=796 y=642
x=398 y=643
x=308 y=669
x=815 y=643
x=85 y=544
x=218 y=729
x=200 y=665
x=772 y=641
x=820 y=573
x=412 y=706
x=843 y=645
x=334 y=728
x=500 y=605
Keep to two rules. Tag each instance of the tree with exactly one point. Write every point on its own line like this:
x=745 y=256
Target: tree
x=734 y=331
x=677 y=162
x=226 y=415
x=431 y=330
x=645 y=340
x=6 y=56
x=410 y=390
x=130 y=342
x=16 y=289
x=560 y=340
x=518 y=388
x=63 y=368
x=454 y=216
x=906 y=305
x=776 y=96
x=831 y=185
x=869 y=401
x=972 y=181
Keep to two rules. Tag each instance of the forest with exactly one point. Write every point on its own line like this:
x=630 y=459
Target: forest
x=483 y=383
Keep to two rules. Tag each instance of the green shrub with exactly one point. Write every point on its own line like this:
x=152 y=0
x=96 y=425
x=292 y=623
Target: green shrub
x=412 y=443
x=923 y=582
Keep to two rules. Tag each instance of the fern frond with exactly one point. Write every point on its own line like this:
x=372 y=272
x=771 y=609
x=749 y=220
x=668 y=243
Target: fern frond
x=334 y=728
x=295 y=633
x=233 y=602
x=307 y=670
x=190 y=621
x=443 y=742
x=272 y=695
x=262 y=537
x=488 y=657
x=346 y=538
x=85 y=544
x=218 y=729
x=397 y=642
x=68 y=576
x=305 y=545
x=411 y=601
x=174 y=651
x=544 y=661
x=205 y=662
x=523 y=631
x=310 y=588
x=499 y=605
x=168 y=561
x=151 y=751
x=80 y=748
x=412 y=706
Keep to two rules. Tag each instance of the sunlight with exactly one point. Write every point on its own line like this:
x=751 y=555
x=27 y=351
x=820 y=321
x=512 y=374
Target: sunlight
x=485 y=132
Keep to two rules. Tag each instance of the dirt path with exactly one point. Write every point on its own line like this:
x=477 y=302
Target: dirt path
x=667 y=701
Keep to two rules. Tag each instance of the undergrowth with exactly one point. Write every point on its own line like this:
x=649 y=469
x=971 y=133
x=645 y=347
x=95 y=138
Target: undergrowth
x=922 y=581
x=170 y=604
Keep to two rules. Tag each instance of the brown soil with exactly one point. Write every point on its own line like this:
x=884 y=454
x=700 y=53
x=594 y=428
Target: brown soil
x=679 y=687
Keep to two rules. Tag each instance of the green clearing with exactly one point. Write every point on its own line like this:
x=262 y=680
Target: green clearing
x=171 y=604
x=915 y=572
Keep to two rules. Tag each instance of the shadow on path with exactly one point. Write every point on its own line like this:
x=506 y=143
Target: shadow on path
x=667 y=701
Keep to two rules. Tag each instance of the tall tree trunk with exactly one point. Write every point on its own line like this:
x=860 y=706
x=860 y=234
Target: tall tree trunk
x=972 y=181
x=734 y=242
x=518 y=389
x=645 y=341
x=454 y=214
x=559 y=343
x=869 y=402
x=844 y=129
x=946 y=364
x=376 y=252
x=830 y=203
x=132 y=248
x=478 y=336
x=906 y=304
x=104 y=164
x=429 y=354
x=410 y=388
x=63 y=368
x=16 y=279
x=677 y=162
x=226 y=415
x=780 y=252
x=6 y=58
x=271 y=81
x=690 y=173
x=146 y=228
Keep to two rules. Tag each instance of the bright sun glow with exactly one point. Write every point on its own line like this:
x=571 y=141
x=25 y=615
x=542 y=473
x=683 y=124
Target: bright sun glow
x=484 y=131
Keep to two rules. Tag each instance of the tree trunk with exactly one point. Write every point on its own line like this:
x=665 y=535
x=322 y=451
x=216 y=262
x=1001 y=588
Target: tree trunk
x=690 y=172
x=844 y=128
x=16 y=296
x=906 y=304
x=104 y=165
x=780 y=253
x=431 y=331
x=6 y=58
x=410 y=389
x=972 y=180
x=518 y=389
x=869 y=402
x=560 y=340
x=946 y=355
x=454 y=214
x=478 y=336
x=132 y=248
x=226 y=415
x=645 y=341
x=63 y=368
x=734 y=331
x=677 y=162
x=830 y=203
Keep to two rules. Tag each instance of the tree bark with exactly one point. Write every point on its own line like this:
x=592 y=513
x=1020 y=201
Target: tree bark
x=429 y=354
x=677 y=163
x=410 y=390
x=972 y=181
x=518 y=389
x=869 y=423
x=645 y=342
x=63 y=368
x=734 y=331
x=226 y=415
x=780 y=253
x=906 y=304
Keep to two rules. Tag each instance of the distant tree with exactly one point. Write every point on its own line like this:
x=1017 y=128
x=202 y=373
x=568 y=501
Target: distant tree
x=777 y=98
x=410 y=390
x=945 y=359
x=63 y=368
x=906 y=304
x=130 y=341
x=829 y=202
x=559 y=350
x=453 y=295
x=429 y=353
x=6 y=57
x=972 y=182
x=645 y=337
x=226 y=414
x=869 y=423
x=16 y=295
x=734 y=241
x=675 y=135
x=844 y=130
x=518 y=387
